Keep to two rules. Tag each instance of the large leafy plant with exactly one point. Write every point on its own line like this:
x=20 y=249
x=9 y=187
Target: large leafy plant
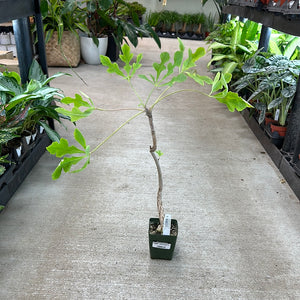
x=22 y=106
x=271 y=80
x=60 y=16
x=233 y=43
x=167 y=73
x=103 y=18
x=284 y=44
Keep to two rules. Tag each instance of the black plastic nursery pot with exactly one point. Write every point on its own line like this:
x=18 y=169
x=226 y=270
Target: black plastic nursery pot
x=162 y=246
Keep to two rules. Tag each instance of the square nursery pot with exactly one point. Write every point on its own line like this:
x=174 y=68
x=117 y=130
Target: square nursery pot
x=162 y=246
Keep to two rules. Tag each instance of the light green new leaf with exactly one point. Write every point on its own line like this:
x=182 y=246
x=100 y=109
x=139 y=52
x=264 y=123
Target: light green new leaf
x=79 y=138
x=61 y=148
x=199 y=78
x=146 y=78
x=232 y=101
x=179 y=78
x=77 y=101
x=75 y=114
x=112 y=67
x=65 y=164
x=181 y=45
x=126 y=55
x=178 y=57
x=160 y=67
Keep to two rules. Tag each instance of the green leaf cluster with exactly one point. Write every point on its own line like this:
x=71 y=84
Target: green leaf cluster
x=166 y=73
x=234 y=42
x=271 y=81
x=70 y=154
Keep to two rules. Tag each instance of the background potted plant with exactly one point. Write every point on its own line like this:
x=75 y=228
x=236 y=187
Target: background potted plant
x=272 y=80
x=166 y=73
x=232 y=44
x=62 y=20
x=103 y=18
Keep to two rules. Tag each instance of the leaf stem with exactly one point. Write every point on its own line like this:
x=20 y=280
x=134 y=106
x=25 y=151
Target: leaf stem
x=117 y=130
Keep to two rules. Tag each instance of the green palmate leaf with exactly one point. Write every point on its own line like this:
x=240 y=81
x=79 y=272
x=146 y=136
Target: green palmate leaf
x=199 y=79
x=147 y=79
x=179 y=78
x=112 y=67
x=178 y=57
x=126 y=55
x=61 y=148
x=192 y=58
x=77 y=101
x=160 y=67
x=75 y=114
x=181 y=45
x=232 y=101
x=79 y=138
x=65 y=164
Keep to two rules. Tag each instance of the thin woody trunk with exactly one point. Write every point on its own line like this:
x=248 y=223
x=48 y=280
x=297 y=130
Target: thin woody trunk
x=153 y=148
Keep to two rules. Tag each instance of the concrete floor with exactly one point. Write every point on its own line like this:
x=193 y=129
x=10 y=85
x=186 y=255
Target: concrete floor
x=85 y=236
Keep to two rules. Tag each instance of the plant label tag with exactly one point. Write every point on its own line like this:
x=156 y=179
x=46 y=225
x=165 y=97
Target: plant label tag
x=28 y=138
x=161 y=245
x=167 y=225
x=19 y=151
x=277 y=114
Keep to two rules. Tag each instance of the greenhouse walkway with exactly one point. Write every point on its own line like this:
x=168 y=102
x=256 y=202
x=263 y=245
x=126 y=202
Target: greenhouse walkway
x=84 y=236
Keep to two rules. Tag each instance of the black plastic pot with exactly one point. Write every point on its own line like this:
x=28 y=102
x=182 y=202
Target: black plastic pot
x=162 y=246
x=113 y=50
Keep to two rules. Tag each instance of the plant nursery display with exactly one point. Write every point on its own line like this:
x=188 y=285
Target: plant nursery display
x=166 y=73
x=24 y=108
x=271 y=80
x=233 y=43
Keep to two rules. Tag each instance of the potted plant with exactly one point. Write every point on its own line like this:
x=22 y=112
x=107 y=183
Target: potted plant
x=233 y=43
x=166 y=73
x=25 y=106
x=199 y=20
x=103 y=19
x=62 y=20
x=272 y=80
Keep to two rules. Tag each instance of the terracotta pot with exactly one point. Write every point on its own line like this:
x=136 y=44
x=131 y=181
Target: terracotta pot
x=280 y=129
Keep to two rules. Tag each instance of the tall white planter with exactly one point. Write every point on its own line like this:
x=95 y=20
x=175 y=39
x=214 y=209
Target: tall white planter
x=90 y=52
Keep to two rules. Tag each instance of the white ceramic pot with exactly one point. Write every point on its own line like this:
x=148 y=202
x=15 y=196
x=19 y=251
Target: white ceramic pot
x=90 y=52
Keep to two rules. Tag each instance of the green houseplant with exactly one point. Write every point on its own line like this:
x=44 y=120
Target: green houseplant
x=24 y=107
x=103 y=19
x=62 y=20
x=233 y=43
x=25 y=110
x=166 y=73
x=271 y=80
